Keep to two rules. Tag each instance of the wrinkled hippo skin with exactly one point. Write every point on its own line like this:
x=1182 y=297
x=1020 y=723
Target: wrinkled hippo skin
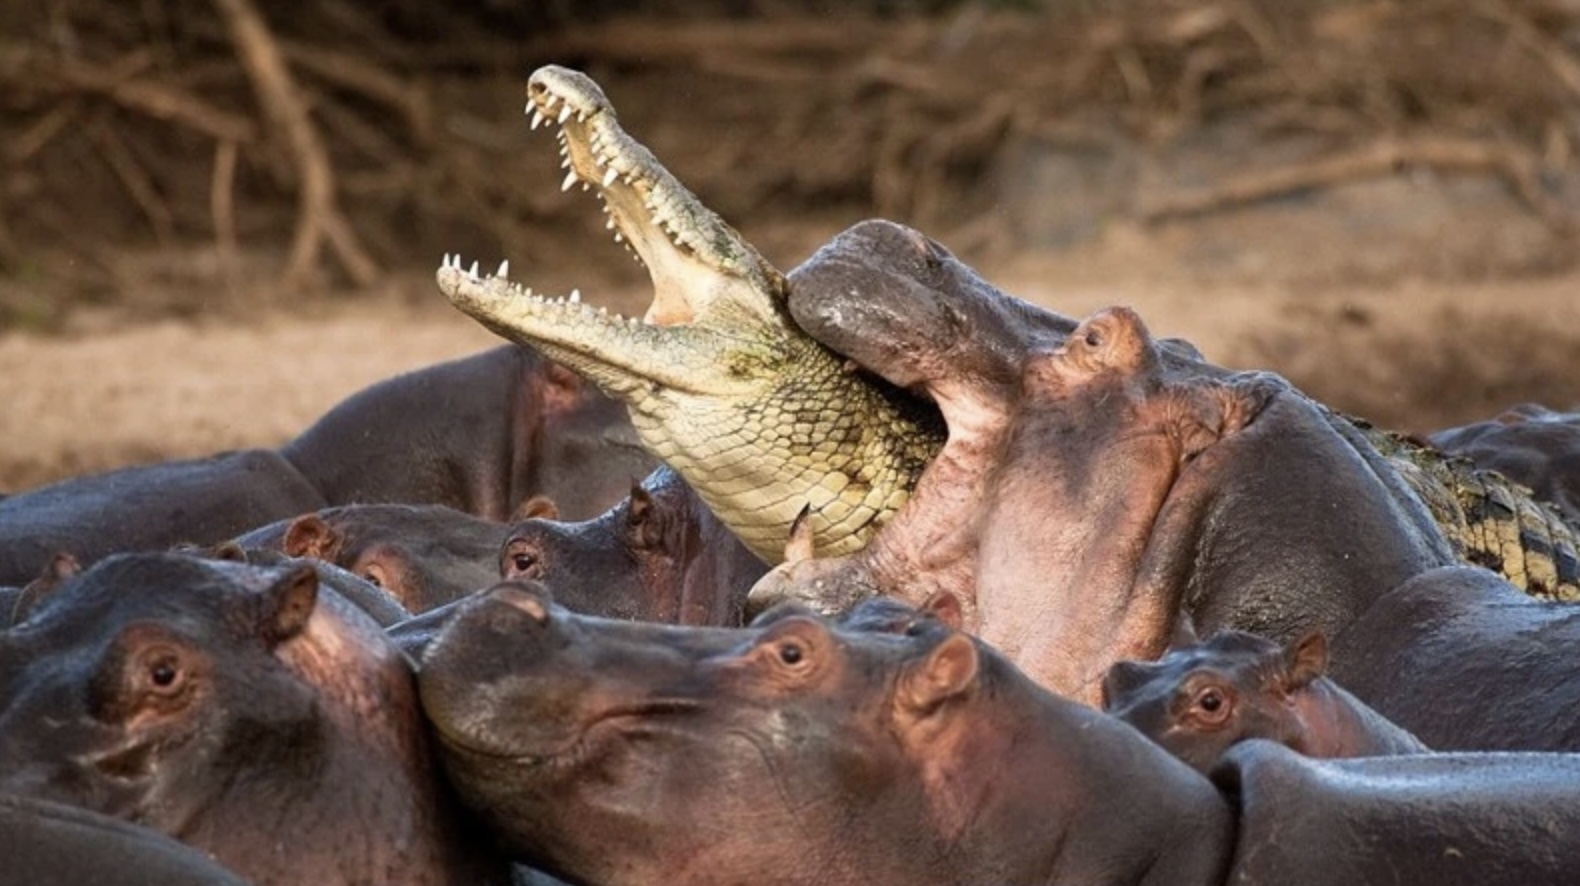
x=1202 y=698
x=1433 y=819
x=424 y=556
x=1529 y=444
x=52 y=844
x=1096 y=482
x=242 y=710
x=796 y=751
x=658 y=555
x=481 y=434
x=1466 y=662
x=149 y=507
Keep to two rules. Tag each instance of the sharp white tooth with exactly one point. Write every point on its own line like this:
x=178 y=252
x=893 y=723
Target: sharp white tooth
x=537 y=117
x=474 y=270
x=565 y=114
x=504 y=269
x=618 y=238
x=446 y=262
x=603 y=311
x=609 y=176
x=576 y=296
x=570 y=179
x=609 y=223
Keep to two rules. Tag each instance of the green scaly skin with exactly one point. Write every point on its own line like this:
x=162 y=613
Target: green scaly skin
x=719 y=381
x=761 y=419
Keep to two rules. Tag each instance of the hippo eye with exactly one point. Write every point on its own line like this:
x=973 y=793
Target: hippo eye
x=163 y=674
x=791 y=653
x=372 y=578
x=522 y=562
x=1211 y=705
x=1093 y=338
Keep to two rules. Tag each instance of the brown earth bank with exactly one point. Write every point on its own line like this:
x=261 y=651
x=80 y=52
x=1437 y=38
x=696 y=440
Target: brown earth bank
x=1412 y=355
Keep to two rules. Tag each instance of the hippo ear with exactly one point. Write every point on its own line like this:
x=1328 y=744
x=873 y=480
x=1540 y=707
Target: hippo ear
x=61 y=567
x=538 y=507
x=309 y=536
x=228 y=551
x=1123 y=679
x=945 y=606
x=950 y=669
x=1306 y=659
x=289 y=603
x=799 y=546
x=646 y=519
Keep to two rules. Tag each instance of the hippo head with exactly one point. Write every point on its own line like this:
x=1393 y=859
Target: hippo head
x=1198 y=700
x=659 y=555
x=422 y=555
x=235 y=707
x=688 y=747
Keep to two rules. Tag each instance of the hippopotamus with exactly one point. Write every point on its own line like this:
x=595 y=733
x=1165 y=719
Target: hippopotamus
x=896 y=751
x=149 y=507
x=47 y=842
x=1529 y=444
x=1200 y=699
x=242 y=710
x=481 y=434
x=1093 y=486
x=378 y=603
x=659 y=555
x=422 y=555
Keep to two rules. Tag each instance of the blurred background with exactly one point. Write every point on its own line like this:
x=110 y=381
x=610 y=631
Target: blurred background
x=218 y=217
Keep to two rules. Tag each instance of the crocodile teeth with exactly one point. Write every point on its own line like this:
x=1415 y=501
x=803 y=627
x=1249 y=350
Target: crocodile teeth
x=474 y=270
x=570 y=179
x=537 y=117
x=609 y=176
x=576 y=296
x=504 y=269
x=565 y=114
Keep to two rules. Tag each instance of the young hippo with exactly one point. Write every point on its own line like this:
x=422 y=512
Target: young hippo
x=795 y=751
x=242 y=710
x=889 y=750
x=1198 y=700
x=481 y=434
x=659 y=555
x=422 y=555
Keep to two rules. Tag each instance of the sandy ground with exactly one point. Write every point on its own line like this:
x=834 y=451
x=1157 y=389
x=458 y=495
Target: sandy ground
x=1414 y=356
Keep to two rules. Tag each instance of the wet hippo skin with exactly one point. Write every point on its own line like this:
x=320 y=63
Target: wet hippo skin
x=1432 y=820
x=1201 y=698
x=795 y=751
x=889 y=749
x=481 y=434
x=658 y=555
x=150 y=507
x=422 y=555
x=243 y=710
x=1097 y=483
x=51 y=844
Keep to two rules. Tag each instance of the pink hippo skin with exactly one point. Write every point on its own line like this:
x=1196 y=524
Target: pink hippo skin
x=888 y=749
x=239 y=709
x=1200 y=699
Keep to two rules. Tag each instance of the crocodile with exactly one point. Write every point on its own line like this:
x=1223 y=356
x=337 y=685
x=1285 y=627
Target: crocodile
x=725 y=384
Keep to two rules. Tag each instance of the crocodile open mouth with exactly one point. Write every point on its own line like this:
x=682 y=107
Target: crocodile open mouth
x=695 y=260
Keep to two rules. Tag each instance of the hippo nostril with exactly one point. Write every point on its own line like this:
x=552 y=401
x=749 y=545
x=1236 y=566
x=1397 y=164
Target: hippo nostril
x=522 y=600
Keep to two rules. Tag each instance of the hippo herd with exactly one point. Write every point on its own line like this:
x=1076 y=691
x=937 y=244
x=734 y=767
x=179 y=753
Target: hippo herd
x=1140 y=620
